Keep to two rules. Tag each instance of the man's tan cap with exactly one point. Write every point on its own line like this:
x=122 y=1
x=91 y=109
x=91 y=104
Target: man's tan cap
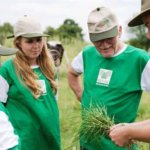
x=102 y=24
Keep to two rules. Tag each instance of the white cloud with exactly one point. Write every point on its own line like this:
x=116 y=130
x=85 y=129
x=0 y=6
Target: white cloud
x=54 y=12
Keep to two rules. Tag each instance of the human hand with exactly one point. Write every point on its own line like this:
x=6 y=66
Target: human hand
x=119 y=134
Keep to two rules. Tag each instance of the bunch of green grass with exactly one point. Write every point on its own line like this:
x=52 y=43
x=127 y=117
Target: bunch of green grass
x=95 y=123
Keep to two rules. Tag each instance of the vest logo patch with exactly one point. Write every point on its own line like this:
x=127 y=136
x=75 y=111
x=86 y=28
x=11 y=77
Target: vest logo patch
x=104 y=77
x=42 y=85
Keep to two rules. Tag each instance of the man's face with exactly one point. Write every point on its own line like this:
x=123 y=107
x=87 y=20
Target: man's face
x=107 y=47
x=146 y=20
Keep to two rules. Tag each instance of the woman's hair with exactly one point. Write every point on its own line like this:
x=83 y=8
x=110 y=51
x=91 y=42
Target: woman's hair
x=25 y=72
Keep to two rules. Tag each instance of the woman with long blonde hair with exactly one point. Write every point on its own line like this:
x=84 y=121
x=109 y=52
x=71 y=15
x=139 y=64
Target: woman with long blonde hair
x=29 y=89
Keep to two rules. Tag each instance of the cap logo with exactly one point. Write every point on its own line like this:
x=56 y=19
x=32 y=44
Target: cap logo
x=106 y=22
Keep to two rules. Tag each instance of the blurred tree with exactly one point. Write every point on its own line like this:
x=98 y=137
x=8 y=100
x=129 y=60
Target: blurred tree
x=66 y=32
x=5 y=30
x=139 y=37
x=50 y=31
x=69 y=29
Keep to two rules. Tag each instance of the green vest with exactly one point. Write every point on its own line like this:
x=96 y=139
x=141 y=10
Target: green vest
x=35 y=120
x=115 y=83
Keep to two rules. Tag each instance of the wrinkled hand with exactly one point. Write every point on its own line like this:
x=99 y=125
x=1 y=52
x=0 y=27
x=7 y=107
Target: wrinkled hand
x=119 y=134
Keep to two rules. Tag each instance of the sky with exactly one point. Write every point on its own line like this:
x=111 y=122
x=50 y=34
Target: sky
x=54 y=12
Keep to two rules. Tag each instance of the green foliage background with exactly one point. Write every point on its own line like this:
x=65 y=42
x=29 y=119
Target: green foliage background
x=139 y=38
x=68 y=30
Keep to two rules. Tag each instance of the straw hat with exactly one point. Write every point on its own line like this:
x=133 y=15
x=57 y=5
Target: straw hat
x=7 y=51
x=145 y=7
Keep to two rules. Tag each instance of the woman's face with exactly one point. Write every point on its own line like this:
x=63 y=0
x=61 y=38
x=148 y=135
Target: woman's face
x=32 y=47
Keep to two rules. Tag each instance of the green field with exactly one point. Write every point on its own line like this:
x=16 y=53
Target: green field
x=69 y=106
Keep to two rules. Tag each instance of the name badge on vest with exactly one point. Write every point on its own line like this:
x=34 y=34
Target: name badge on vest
x=104 y=77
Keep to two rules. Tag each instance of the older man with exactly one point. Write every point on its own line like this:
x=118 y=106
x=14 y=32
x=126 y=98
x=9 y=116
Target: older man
x=114 y=73
x=123 y=134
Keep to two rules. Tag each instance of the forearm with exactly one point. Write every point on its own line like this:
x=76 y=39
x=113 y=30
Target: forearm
x=142 y=122
x=140 y=131
x=123 y=134
x=74 y=83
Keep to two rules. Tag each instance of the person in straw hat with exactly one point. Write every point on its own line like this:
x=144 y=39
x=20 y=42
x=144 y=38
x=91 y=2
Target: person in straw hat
x=28 y=89
x=8 y=138
x=123 y=134
x=115 y=74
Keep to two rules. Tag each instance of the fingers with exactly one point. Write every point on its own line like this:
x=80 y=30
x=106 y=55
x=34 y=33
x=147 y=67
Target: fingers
x=119 y=135
x=118 y=125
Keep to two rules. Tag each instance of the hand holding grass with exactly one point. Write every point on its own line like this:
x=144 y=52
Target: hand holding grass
x=96 y=123
x=120 y=134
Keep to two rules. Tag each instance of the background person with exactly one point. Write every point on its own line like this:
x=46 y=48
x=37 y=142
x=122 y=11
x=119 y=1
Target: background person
x=28 y=89
x=110 y=77
x=123 y=134
x=56 y=49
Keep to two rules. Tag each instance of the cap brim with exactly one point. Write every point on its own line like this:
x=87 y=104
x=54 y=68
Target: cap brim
x=11 y=36
x=34 y=35
x=7 y=51
x=30 y=35
x=136 y=21
x=104 y=35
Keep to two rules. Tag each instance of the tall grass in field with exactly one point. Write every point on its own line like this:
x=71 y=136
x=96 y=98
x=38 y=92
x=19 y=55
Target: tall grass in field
x=69 y=106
